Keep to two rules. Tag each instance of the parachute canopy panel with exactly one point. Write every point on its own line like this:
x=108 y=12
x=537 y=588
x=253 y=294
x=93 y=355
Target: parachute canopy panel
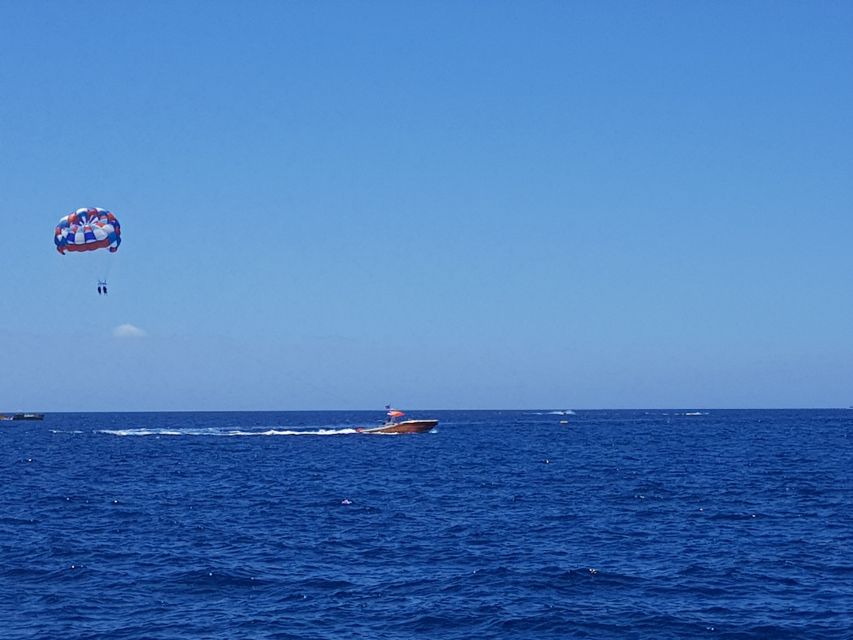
x=88 y=230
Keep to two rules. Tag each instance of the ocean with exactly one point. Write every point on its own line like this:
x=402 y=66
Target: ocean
x=499 y=524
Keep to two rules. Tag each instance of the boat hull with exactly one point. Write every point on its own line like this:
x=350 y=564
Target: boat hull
x=407 y=426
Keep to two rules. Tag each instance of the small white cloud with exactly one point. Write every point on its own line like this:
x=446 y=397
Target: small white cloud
x=128 y=331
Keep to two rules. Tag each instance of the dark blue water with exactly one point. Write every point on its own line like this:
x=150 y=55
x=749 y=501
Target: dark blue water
x=619 y=524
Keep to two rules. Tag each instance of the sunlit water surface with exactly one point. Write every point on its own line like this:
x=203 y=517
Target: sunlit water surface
x=499 y=524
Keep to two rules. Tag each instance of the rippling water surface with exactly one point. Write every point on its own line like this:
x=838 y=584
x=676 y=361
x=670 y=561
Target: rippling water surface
x=619 y=524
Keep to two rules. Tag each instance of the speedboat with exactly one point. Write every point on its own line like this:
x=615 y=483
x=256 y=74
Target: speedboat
x=406 y=426
x=23 y=416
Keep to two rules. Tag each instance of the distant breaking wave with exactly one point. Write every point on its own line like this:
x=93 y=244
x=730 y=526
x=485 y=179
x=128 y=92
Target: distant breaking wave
x=567 y=412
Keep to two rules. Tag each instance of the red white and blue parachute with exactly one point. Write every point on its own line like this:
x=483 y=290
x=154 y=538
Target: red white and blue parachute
x=88 y=230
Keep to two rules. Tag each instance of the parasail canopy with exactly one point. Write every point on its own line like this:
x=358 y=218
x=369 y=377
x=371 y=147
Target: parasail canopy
x=87 y=230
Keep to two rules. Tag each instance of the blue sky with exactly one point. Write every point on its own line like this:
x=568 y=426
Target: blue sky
x=433 y=204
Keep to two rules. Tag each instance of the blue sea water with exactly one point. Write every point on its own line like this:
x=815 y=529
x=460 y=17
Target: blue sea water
x=499 y=524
